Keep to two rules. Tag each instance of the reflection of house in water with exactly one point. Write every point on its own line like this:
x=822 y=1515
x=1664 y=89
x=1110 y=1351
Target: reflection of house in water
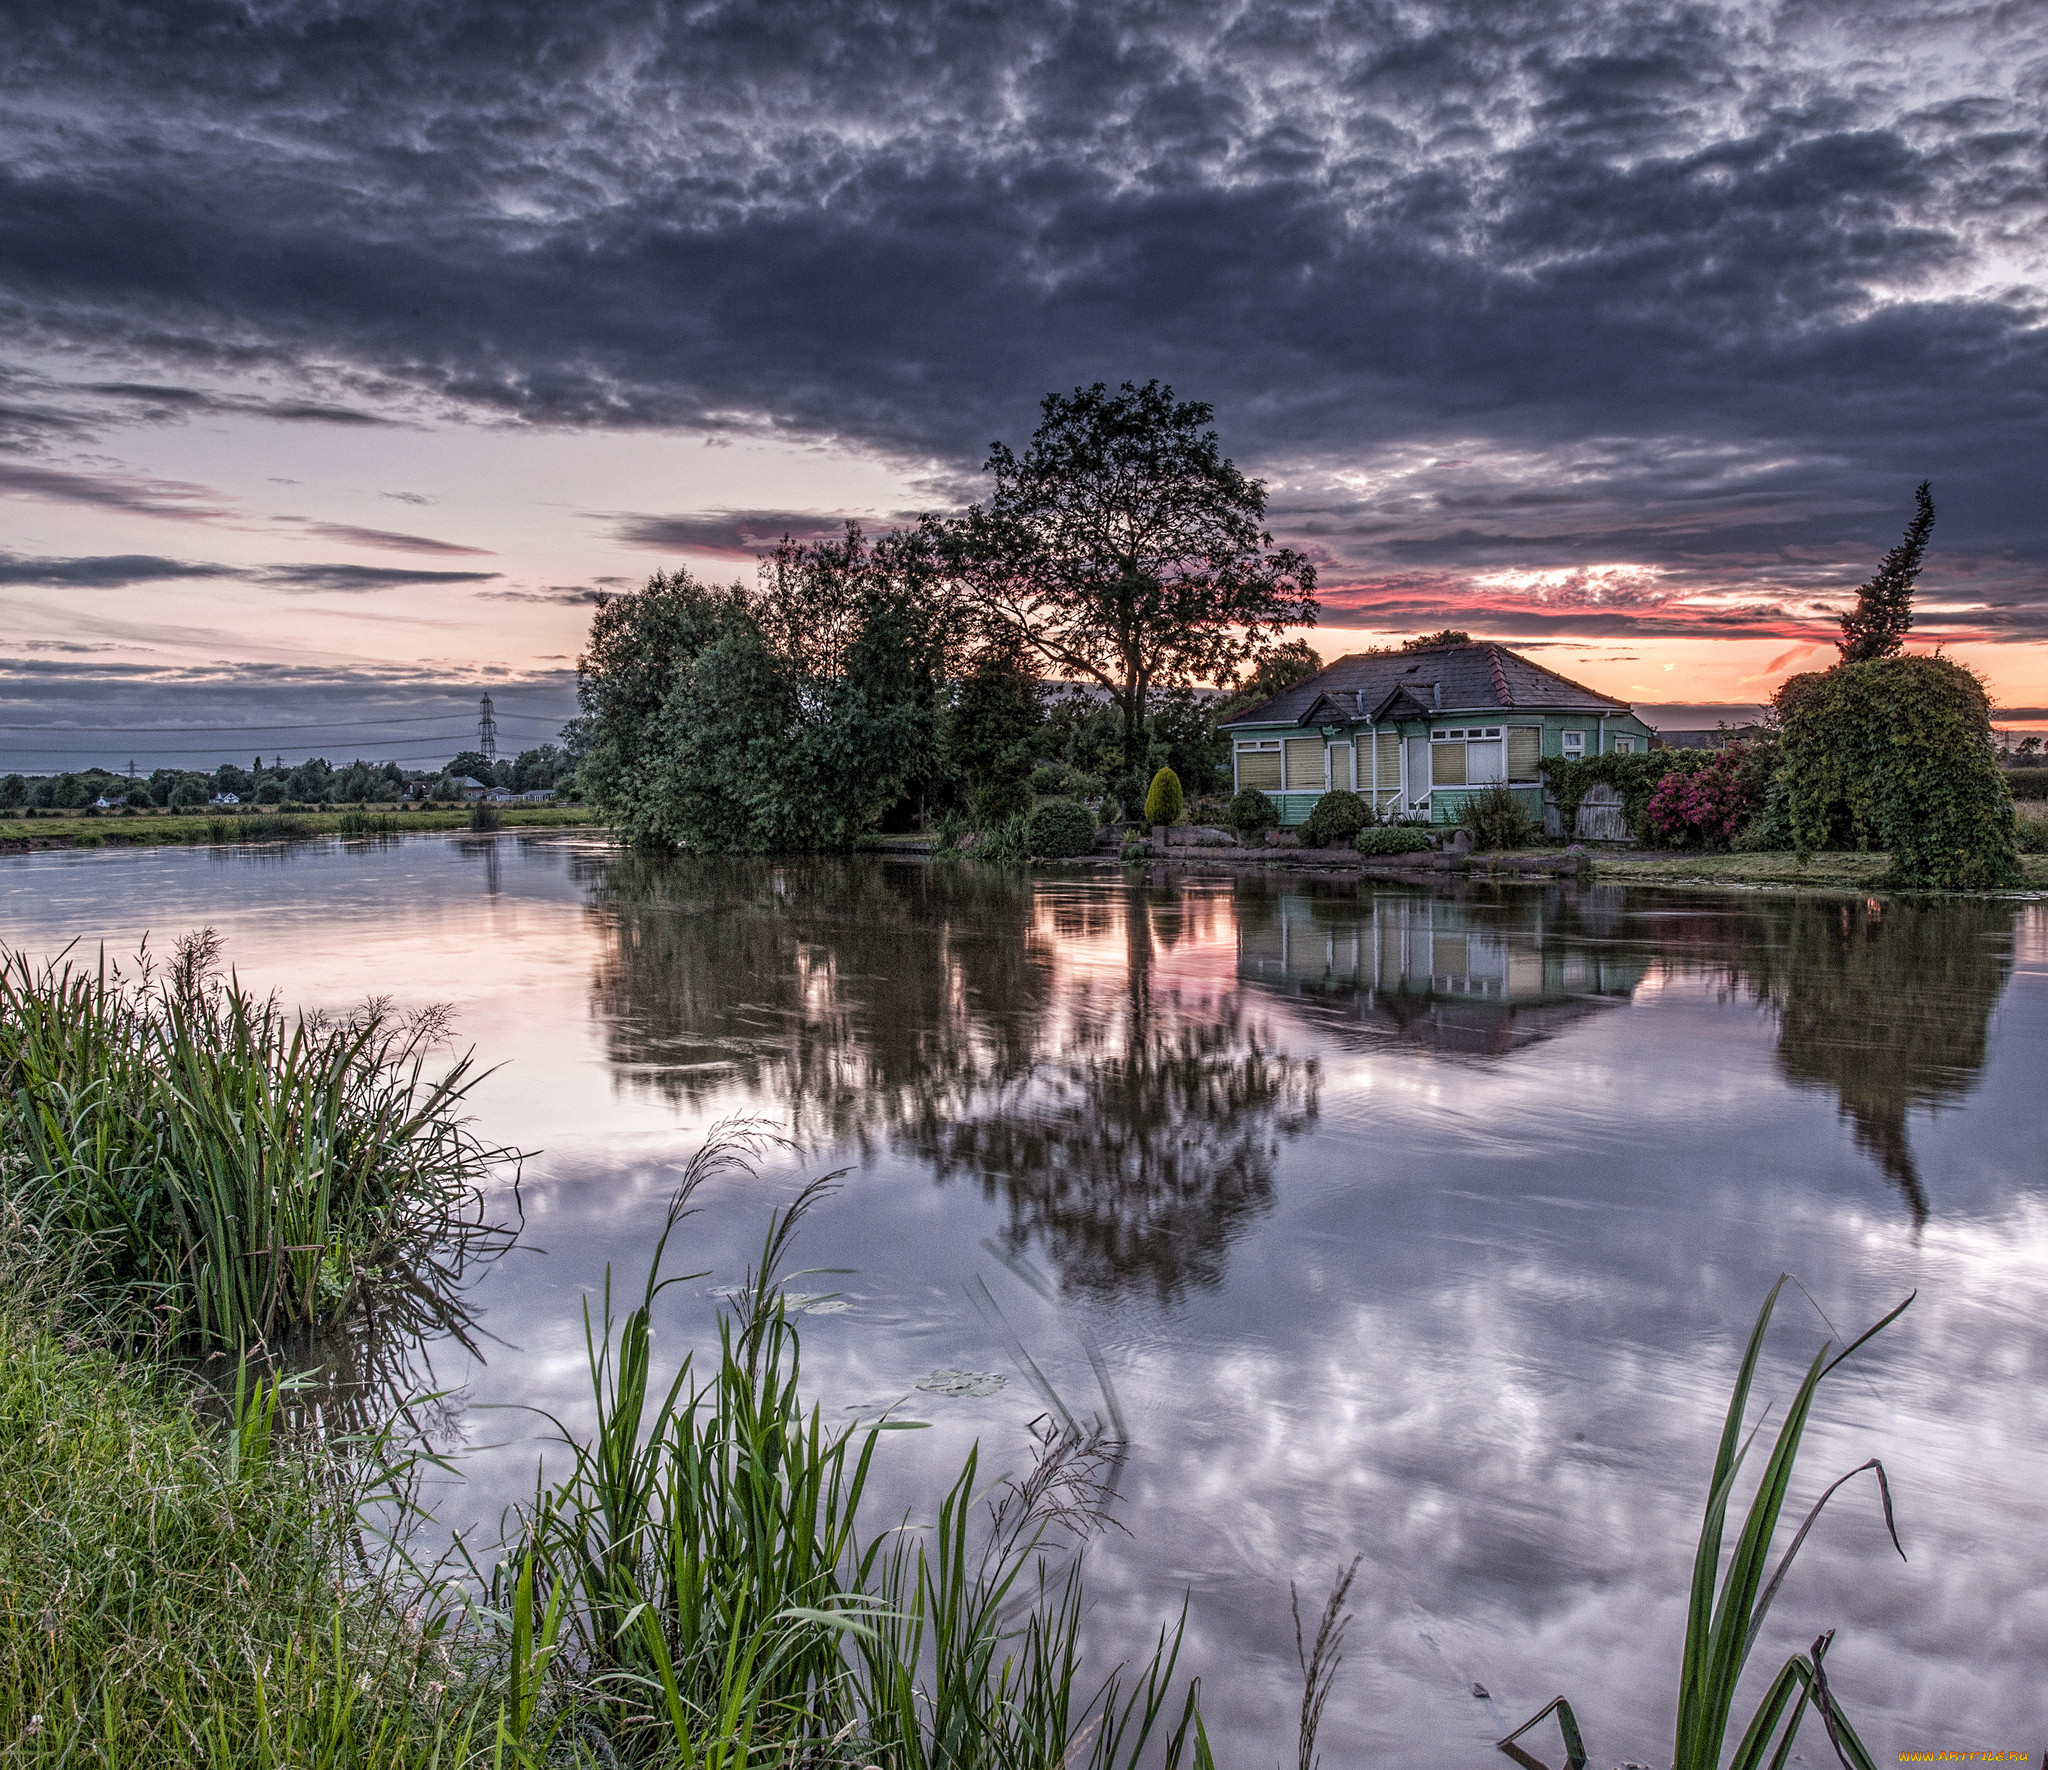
x=1482 y=975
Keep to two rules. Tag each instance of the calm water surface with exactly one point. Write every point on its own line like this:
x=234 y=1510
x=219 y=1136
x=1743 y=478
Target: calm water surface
x=1426 y=1228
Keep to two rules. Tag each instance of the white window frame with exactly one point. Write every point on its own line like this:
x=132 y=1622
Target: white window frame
x=1572 y=746
x=1493 y=737
x=1624 y=746
x=1269 y=746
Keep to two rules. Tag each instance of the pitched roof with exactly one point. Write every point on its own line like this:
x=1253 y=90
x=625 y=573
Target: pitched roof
x=1479 y=677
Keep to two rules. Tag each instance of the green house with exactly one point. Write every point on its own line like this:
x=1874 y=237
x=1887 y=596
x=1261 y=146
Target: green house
x=1416 y=733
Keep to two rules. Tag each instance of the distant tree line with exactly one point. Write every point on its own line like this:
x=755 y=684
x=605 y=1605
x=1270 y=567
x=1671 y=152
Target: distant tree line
x=314 y=781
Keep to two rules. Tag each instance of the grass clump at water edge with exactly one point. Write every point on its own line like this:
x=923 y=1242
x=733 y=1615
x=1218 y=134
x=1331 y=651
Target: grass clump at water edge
x=215 y=1168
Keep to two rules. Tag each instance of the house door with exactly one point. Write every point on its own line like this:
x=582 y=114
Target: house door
x=1340 y=769
x=1415 y=784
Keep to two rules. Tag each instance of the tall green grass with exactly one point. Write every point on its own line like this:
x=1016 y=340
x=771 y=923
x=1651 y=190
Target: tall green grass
x=250 y=826
x=367 y=823
x=1729 y=1605
x=701 y=1586
x=222 y=1170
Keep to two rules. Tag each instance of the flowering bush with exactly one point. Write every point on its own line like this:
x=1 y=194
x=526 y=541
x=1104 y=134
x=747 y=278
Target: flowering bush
x=1706 y=805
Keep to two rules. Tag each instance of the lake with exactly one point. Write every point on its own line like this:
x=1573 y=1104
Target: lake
x=1420 y=1227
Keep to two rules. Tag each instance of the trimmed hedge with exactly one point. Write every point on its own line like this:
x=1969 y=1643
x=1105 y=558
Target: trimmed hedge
x=2027 y=783
x=1392 y=839
x=1060 y=829
x=1251 y=811
x=1164 y=801
x=1335 y=818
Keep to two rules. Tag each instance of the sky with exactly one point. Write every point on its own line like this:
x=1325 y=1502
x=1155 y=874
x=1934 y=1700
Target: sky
x=350 y=349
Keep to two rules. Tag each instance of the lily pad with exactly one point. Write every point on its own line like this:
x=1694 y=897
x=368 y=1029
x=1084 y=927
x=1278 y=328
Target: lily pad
x=952 y=1382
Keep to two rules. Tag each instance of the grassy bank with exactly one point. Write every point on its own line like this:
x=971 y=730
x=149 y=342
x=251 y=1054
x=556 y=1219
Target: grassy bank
x=178 y=1591
x=1819 y=872
x=116 y=829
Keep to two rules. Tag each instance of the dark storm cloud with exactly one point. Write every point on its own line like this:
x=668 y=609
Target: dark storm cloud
x=567 y=595
x=104 y=572
x=1703 y=289
x=132 y=493
x=396 y=543
x=187 y=401
x=113 y=571
x=727 y=534
x=352 y=578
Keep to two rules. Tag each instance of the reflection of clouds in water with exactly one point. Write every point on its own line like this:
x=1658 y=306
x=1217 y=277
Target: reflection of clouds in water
x=994 y=1031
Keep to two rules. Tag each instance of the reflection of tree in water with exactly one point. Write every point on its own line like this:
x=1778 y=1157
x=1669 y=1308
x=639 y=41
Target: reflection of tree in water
x=928 y=1005
x=1140 y=1151
x=1886 y=1005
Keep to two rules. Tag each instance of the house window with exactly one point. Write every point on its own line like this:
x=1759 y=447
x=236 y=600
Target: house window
x=1467 y=756
x=1258 y=765
x=1624 y=746
x=1525 y=752
x=1574 y=746
x=1305 y=765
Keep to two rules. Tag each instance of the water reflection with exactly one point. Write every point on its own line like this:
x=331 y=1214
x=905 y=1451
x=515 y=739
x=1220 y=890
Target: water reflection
x=1887 y=1005
x=1471 y=971
x=1130 y=1129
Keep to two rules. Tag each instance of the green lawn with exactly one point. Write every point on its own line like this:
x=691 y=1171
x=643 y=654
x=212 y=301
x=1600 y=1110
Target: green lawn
x=1820 y=872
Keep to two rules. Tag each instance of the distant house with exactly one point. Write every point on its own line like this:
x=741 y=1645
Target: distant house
x=225 y=799
x=468 y=788
x=1417 y=733
x=535 y=796
x=103 y=803
x=1717 y=739
x=498 y=796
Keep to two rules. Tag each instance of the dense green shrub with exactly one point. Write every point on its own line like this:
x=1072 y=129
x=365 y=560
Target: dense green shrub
x=1335 y=818
x=1392 y=839
x=2031 y=836
x=1163 y=801
x=1060 y=828
x=1896 y=754
x=1496 y=818
x=1250 y=812
x=2027 y=783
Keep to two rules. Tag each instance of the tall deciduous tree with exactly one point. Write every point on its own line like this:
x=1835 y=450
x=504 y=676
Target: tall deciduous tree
x=1123 y=548
x=1876 y=627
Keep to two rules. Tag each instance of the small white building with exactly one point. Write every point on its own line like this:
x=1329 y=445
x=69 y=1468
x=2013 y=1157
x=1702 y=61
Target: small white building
x=225 y=799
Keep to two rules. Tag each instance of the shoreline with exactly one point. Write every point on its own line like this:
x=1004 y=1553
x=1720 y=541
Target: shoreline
x=195 y=830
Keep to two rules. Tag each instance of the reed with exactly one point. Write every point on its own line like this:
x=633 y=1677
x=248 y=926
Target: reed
x=1729 y=1605
x=224 y=1171
x=367 y=823
x=698 y=1588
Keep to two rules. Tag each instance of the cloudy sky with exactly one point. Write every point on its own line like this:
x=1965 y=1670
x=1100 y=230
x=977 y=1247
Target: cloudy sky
x=347 y=349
